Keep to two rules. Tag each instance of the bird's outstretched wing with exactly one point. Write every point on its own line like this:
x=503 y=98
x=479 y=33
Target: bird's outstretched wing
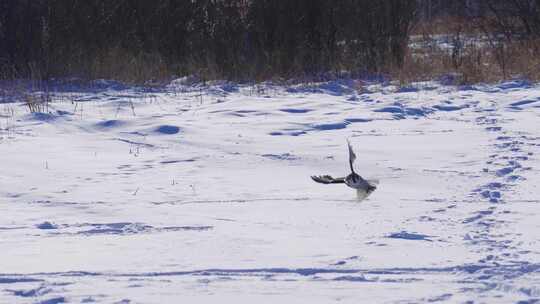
x=352 y=156
x=327 y=179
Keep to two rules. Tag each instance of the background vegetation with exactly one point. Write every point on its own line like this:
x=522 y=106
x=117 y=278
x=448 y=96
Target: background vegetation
x=140 y=40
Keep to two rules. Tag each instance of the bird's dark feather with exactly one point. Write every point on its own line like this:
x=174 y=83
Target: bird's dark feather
x=327 y=179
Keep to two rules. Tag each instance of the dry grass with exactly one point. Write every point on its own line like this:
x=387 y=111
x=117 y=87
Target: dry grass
x=37 y=103
x=127 y=66
x=116 y=63
x=464 y=52
x=34 y=93
x=523 y=59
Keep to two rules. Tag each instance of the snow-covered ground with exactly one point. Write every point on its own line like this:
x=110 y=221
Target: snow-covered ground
x=196 y=194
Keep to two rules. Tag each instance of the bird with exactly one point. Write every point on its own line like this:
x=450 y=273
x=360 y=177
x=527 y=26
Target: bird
x=363 y=187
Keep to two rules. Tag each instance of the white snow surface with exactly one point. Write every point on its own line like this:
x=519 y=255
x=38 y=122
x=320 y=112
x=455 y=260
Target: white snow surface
x=202 y=194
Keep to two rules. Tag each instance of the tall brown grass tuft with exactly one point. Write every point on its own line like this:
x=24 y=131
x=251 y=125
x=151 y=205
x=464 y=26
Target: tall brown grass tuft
x=37 y=104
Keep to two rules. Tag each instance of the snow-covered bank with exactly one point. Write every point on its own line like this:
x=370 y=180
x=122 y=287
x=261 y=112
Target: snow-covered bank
x=202 y=193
